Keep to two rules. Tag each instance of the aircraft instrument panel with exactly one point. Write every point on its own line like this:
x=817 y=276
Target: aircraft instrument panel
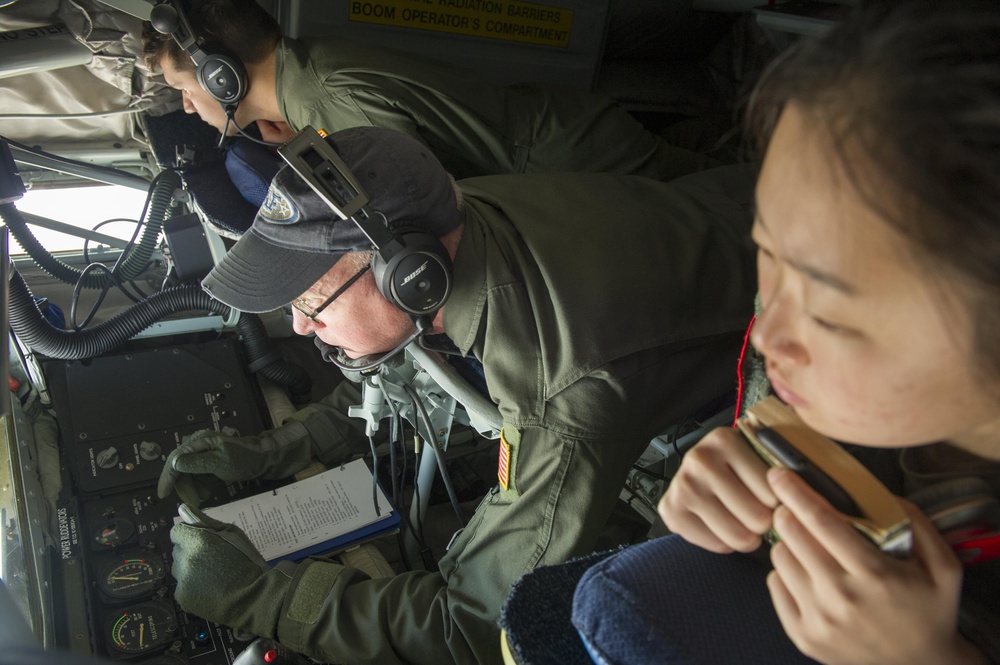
x=119 y=417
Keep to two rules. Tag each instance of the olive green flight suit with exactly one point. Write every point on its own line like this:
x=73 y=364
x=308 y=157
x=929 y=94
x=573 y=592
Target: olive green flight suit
x=603 y=309
x=473 y=127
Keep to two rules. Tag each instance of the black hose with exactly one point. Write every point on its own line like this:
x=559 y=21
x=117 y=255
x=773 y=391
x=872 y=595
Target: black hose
x=37 y=333
x=156 y=213
x=263 y=357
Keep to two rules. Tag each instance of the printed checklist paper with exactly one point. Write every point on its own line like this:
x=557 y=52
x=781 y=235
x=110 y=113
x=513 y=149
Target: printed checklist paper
x=328 y=511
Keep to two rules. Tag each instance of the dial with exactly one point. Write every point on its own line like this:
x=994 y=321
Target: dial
x=150 y=450
x=141 y=628
x=132 y=575
x=113 y=533
x=107 y=458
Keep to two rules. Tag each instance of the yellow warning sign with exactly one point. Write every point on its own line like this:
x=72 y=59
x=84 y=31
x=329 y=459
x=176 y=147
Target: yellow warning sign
x=494 y=19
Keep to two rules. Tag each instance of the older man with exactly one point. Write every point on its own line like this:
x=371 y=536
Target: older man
x=601 y=307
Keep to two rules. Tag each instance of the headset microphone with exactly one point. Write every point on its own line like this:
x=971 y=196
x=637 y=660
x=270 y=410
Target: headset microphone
x=334 y=355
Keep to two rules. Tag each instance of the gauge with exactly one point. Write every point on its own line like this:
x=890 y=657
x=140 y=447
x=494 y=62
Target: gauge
x=141 y=628
x=130 y=576
x=114 y=532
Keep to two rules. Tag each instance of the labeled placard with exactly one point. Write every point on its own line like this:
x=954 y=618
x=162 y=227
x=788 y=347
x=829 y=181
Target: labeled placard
x=505 y=20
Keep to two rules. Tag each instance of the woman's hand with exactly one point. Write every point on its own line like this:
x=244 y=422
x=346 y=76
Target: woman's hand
x=841 y=600
x=719 y=499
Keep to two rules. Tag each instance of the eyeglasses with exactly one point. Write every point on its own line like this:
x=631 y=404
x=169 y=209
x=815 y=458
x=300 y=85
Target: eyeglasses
x=302 y=304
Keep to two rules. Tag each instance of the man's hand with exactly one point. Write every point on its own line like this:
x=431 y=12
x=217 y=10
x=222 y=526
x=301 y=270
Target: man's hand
x=719 y=499
x=275 y=454
x=841 y=600
x=221 y=576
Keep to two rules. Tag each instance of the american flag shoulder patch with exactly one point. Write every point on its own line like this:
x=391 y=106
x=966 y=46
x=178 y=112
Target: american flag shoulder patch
x=503 y=466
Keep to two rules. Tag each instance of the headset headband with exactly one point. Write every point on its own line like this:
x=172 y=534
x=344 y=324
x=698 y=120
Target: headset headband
x=312 y=158
x=412 y=271
x=221 y=76
x=168 y=19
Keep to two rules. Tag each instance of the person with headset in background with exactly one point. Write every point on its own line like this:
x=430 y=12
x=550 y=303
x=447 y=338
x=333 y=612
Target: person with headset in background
x=878 y=228
x=602 y=308
x=233 y=67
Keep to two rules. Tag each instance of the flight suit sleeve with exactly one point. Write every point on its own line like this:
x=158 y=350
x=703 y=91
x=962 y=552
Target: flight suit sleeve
x=559 y=492
x=334 y=435
x=337 y=614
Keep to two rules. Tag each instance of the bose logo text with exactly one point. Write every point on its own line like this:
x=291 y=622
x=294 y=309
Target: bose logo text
x=416 y=272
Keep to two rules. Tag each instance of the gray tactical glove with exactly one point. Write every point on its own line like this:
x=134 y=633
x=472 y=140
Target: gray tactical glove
x=221 y=576
x=274 y=454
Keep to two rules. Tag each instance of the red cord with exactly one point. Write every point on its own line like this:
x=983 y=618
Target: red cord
x=739 y=371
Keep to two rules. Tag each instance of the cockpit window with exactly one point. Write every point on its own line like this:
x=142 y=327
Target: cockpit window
x=109 y=210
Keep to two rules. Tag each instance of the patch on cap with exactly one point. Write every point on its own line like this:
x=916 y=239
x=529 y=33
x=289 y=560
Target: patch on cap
x=277 y=208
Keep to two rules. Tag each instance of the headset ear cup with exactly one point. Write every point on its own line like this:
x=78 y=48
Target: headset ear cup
x=223 y=77
x=417 y=279
x=219 y=74
x=959 y=504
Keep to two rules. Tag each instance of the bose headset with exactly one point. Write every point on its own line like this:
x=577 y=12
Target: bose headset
x=222 y=76
x=412 y=270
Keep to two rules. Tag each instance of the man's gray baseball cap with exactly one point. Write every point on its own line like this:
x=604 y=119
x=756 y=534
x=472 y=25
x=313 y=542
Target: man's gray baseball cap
x=296 y=238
